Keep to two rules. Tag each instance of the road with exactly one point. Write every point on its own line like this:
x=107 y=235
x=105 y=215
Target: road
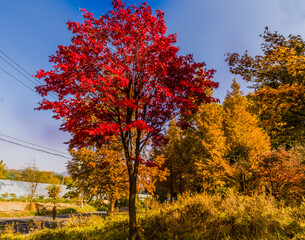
x=26 y=224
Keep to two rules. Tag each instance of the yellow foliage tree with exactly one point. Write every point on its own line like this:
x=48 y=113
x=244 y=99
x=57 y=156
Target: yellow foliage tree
x=178 y=155
x=244 y=138
x=218 y=149
x=99 y=173
x=149 y=176
x=210 y=162
x=103 y=172
x=4 y=172
x=279 y=83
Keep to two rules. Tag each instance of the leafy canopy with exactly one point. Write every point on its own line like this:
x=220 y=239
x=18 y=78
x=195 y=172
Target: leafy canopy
x=278 y=79
x=122 y=77
x=122 y=72
x=244 y=138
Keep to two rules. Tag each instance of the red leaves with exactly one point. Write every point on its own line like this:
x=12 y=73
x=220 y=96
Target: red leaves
x=148 y=163
x=282 y=170
x=106 y=129
x=103 y=165
x=141 y=125
x=159 y=140
x=183 y=125
x=121 y=74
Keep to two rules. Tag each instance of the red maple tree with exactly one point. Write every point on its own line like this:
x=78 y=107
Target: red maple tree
x=122 y=77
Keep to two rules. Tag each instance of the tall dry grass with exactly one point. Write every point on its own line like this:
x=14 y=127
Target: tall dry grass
x=193 y=217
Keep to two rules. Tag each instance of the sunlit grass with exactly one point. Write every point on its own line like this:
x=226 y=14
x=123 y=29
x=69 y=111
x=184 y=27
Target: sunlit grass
x=192 y=217
x=61 y=210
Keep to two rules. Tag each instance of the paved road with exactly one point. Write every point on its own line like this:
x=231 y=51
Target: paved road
x=26 y=224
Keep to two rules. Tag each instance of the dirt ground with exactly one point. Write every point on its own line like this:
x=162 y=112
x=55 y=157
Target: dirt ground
x=21 y=206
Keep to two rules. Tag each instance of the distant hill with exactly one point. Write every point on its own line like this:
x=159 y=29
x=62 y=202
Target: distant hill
x=65 y=173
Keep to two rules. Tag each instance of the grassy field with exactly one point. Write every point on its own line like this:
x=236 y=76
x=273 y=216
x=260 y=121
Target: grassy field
x=191 y=217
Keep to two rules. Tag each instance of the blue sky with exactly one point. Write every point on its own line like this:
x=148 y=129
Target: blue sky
x=31 y=31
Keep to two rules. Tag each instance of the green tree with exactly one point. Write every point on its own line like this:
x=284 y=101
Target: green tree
x=16 y=174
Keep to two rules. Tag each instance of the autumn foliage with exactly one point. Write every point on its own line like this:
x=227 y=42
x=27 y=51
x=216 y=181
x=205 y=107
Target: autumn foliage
x=122 y=85
x=282 y=174
x=244 y=137
x=218 y=151
x=211 y=164
x=122 y=77
x=124 y=73
x=100 y=173
x=278 y=79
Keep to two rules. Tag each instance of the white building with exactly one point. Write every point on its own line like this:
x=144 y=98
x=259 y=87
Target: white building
x=22 y=189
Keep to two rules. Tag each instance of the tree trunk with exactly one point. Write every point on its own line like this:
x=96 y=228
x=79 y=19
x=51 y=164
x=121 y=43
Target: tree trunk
x=180 y=183
x=81 y=201
x=133 y=233
x=111 y=207
x=31 y=204
x=54 y=212
x=171 y=184
x=31 y=199
x=171 y=190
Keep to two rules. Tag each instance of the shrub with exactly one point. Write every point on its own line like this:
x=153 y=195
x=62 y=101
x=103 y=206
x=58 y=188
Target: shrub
x=282 y=173
x=53 y=191
x=4 y=195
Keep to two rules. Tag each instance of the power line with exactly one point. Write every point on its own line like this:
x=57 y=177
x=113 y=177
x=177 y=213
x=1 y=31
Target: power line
x=17 y=64
x=12 y=48
x=36 y=149
x=32 y=144
x=22 y=82
x=25 y=85
x=17 y=69
x=18 y=80
x=36 y=82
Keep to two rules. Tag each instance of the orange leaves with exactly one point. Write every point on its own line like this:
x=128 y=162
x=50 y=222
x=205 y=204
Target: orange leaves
x=281 y=172
x=244 y=137
x=100 y=172
x=279 y=79
x=282 y=110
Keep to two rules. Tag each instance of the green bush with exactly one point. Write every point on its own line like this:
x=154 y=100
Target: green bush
x=103 y=207
x=4 y=195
